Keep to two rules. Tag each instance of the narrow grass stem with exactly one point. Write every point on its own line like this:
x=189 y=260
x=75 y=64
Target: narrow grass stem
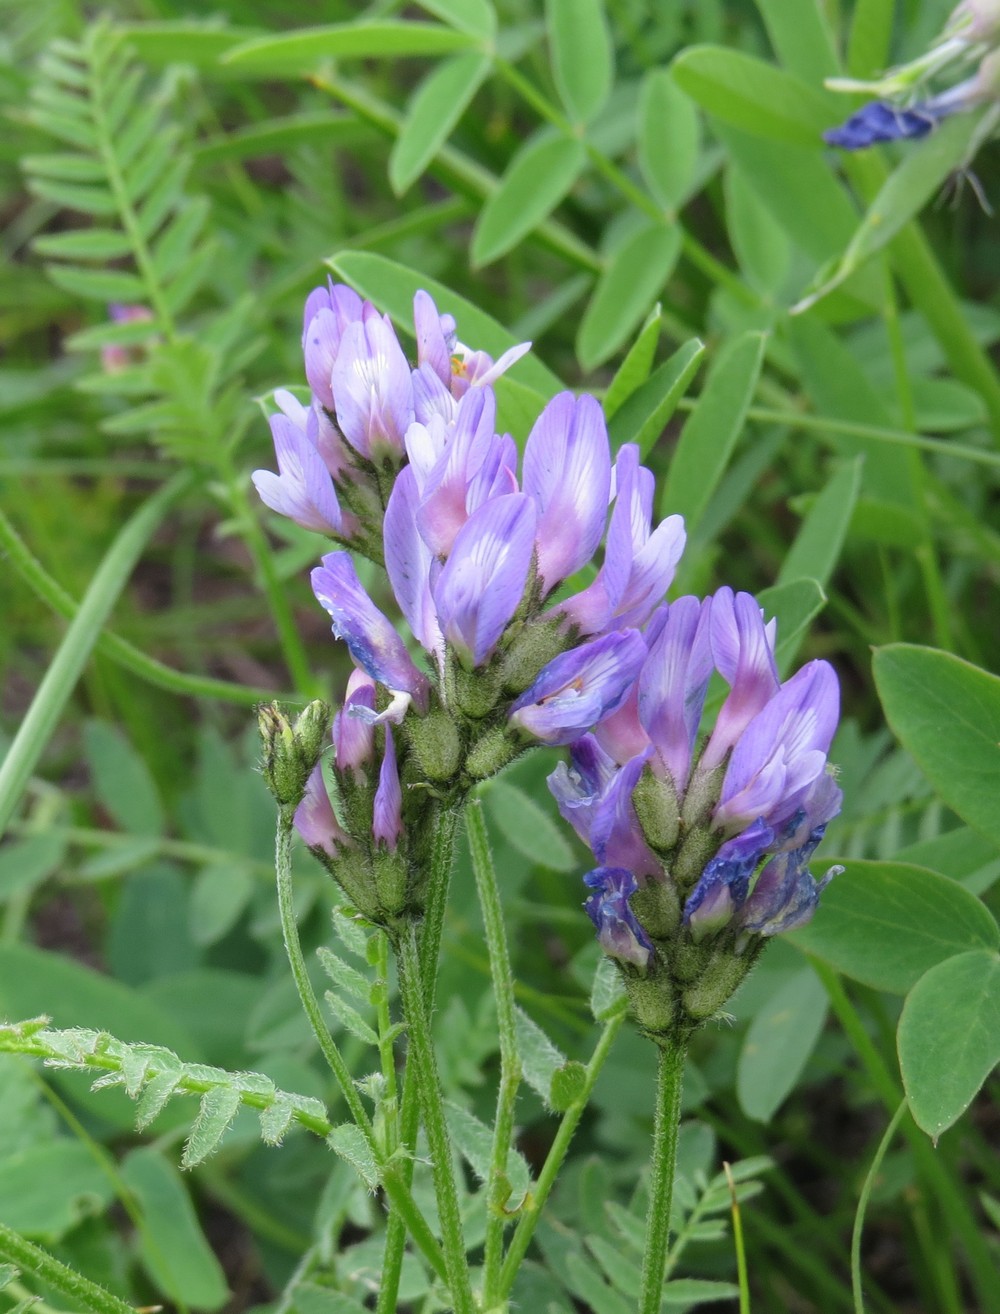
x=669 y=1079
x=863 y=1198
x=498 y=1183
x=421 y=1055
x=111 y=645
x=961 y=1223
x=79 y=642
x=532 y=1211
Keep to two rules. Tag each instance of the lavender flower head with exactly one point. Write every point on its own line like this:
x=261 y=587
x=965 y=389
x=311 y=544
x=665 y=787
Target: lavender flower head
x=403 y=463
x=703 y=843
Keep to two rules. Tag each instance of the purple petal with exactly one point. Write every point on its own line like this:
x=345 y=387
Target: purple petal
x=567 y=469
x=468 y=440
x=615 y=834
x=373 y=390
x=302 y=490
x=672 y=687
x=354 y=736
x=785 y=896
x=315 y=819
x=782 y=752
x=579 y=688
x=430 y=396
x=327 y=315
x=387 y=812
x=432 y=344
x=722 y=886
x=408 y=562
x=879 y=121
x=579 y=787
x=743 y=650
x=483 y=580
x=369 y=635
x=621 y=734
x=618 y=932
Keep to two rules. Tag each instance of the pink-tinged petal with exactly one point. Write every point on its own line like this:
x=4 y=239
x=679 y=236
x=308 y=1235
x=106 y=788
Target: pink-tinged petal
x=323 y=331
x=387 y=811
x=353 y=735
x=621 y=735
x=408 y=561
x=743 y=650
x=468 y=440
x=497 y=475
x=483 y=580
x=432 y=344
x=579 y=688
x=369 y=635
x=315 y=819
x=373 y=390
x=673 y=684
x=567 y=470
x=302 y=490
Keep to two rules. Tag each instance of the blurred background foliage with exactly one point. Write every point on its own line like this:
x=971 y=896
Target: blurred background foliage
x=602 y=180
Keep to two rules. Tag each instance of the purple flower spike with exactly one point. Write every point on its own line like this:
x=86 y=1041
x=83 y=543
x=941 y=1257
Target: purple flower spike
x=879 y=121
x=353 y=732
x=369 y=635
x=483 y=580
x=567 y=470
x=782 y=753
x=672 y=687
x=302 y=490
x=315 y=820
x=371 y=382
x=387 y=816
x=743 y=650
x=327 y=314
x=579 y=688
x=618 y=932
x=408 y=561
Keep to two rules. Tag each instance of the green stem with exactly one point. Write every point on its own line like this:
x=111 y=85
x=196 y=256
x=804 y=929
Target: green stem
x=420 y=1054
x=30 y=1258
x=439 y=880
x=859 y=1217
x=498 y=1183
x=111 y=645
x=81 y=637
x=982 y=1267
x=388 y=1103
x=396 y=1189
x=532 y=1211
x=669 y=1079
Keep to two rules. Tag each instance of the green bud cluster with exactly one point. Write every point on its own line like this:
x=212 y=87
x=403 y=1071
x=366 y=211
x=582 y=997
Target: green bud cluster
x=291 y=749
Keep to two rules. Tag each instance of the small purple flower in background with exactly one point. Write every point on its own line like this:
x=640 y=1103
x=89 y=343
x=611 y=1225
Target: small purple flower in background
x=904 y=107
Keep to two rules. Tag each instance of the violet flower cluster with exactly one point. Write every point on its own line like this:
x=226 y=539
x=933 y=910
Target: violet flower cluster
x=702 y=844
x=903 y=108
x=406 y=466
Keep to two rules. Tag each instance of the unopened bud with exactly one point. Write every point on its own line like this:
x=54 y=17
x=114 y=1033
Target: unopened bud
x=655 y=802
x=490 y=754
x=291 y=750
x=434 y=739
x=532 y=649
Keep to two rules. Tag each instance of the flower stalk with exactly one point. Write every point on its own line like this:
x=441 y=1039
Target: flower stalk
x=669 y=1080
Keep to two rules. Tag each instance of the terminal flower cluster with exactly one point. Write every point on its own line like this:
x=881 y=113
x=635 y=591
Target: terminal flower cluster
x=905 y=107
x=515 y=636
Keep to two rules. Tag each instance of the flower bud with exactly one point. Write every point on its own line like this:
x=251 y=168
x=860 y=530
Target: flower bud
x=291 y=751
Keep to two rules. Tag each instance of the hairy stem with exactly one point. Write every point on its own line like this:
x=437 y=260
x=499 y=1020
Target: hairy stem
x=669 y=1078
x=421 y=1055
